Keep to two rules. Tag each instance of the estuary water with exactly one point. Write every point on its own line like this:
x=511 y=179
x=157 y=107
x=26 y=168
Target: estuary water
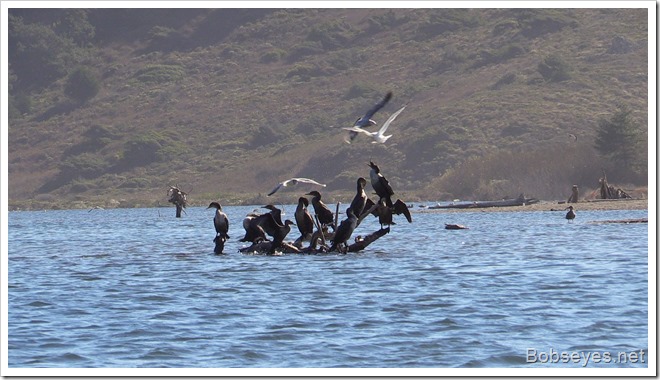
x=141 y=288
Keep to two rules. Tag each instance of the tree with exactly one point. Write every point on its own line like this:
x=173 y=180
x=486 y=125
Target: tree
x=621 y=139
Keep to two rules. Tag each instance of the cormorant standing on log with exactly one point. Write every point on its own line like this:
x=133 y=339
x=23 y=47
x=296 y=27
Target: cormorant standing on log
x=221 y=224
x=280 y=232
x=259 y=225
x=220 y=221
x=570 y=215
x=380 y=184
x=360 y=199
x=304 y=220
x=344 y=232
x=326 y=217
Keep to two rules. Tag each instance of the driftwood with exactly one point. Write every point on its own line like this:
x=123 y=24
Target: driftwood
x=263 y=247
x=520 y=201
x=609 y=192
x=620 y=221
x=574 y=195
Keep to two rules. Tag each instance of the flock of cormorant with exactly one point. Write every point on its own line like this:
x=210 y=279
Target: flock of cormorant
x=267 y=231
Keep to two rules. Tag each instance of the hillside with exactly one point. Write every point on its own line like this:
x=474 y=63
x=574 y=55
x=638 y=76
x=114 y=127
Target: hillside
x=226 y=103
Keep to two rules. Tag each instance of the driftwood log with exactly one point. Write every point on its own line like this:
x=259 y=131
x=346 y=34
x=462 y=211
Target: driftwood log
x=520 y=201
x=609 y=192
x=574 y=195
x=360 y=243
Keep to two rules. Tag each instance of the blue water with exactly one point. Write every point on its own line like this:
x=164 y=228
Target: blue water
x=141 y=288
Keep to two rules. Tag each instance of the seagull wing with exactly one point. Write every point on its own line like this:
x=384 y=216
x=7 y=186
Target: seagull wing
x=307 y=180
x=382 y=129
x=378 y=106
x=359 y=130
x=279 y=185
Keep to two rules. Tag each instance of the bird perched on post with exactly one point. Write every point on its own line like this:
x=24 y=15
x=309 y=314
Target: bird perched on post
x=365 y=121
x=570 y=215
x=220 y=221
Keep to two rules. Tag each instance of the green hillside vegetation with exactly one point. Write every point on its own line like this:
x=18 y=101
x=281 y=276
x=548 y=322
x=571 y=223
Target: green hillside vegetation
x=110 y=107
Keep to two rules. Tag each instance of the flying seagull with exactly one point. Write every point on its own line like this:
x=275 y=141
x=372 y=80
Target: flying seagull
x=294 y=181
x=365 y=121
x=378 y=136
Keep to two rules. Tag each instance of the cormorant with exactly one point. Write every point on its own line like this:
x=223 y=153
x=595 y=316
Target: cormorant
x=280 y=232
x=360 y=199
x=220 y=221
x=344 y=232
x=365 y=121
x=326 y=217
x=378 y=136
x=380 y=184
x=570 y=215
x=277 y=213
x=259 y=225
x=384 y=214
x=294 y=181
x=304 y=220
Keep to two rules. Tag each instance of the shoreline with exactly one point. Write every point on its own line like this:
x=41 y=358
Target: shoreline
x=592 y=205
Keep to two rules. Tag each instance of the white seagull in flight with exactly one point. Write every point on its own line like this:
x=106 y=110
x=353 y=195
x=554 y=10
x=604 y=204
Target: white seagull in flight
x=294 y=181
x=378 y=136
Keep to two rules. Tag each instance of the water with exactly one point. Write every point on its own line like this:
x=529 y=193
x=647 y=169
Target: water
x=140 y=288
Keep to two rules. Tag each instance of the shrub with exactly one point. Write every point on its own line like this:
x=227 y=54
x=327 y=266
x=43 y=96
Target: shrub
x=272 y=56
x=554 y=69
x=82 y=85
x=506 y=79
x=160 y=73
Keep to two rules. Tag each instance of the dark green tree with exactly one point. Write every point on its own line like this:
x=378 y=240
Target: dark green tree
x=621 y=139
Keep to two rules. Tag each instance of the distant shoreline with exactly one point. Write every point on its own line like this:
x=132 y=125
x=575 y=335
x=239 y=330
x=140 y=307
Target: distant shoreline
x=593 y=205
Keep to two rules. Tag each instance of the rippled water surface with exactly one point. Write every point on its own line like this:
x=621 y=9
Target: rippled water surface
x=140 y=288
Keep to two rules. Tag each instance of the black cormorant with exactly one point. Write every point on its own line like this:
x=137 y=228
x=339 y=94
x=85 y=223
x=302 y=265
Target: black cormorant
x=344 y=232
x=257 y=226
x=280 y=232
x=360 y=199
x=304 y=220
x=380 y=184
x=326 y=217
x=365 y=121
x=220 y=221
